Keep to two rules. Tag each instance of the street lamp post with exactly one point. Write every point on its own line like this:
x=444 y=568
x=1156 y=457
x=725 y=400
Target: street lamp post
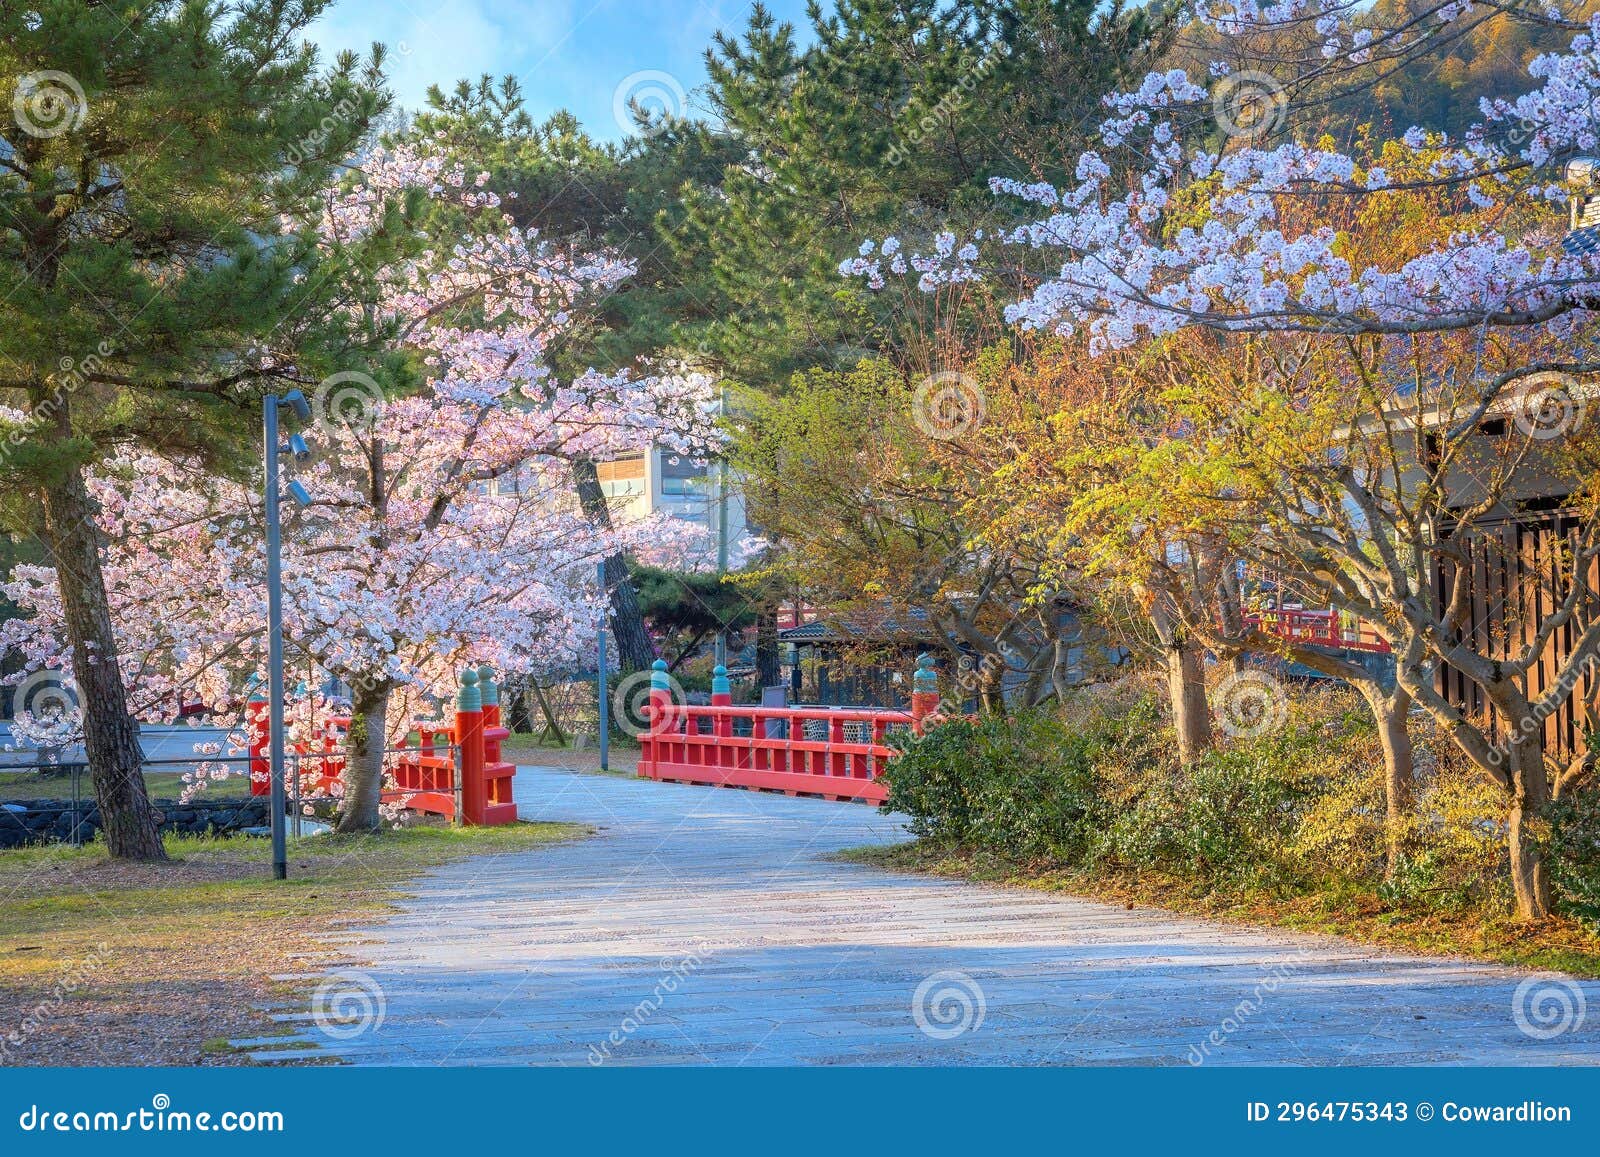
x=272 y=449
x=605 y=715
x=720 y=648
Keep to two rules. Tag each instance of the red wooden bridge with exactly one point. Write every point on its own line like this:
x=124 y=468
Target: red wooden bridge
x=837 y=754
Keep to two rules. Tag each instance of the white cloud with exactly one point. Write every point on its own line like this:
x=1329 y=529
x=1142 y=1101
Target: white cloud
x=441 y=41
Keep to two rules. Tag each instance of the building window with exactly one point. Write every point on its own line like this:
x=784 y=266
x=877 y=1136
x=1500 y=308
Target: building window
x=622 y=477
x=684 y=486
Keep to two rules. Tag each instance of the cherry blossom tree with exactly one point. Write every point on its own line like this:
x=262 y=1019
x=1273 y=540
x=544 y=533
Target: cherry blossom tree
x=439 y=529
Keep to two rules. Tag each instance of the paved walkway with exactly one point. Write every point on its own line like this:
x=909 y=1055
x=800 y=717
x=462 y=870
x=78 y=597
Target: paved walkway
x=705 y=926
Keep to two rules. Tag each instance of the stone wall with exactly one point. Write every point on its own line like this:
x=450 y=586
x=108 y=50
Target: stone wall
x=41 y=821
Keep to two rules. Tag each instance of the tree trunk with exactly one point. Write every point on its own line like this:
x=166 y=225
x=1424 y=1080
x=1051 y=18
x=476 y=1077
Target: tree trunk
x=1394 y=736
x=1230 y=609
x=767 y=645
x=518 y=713
x=363 y=759
x=687 y=651
x=1191 y=712
x=635 y=649
x=1061 y=669
x=1530 y=879
x=110 y=733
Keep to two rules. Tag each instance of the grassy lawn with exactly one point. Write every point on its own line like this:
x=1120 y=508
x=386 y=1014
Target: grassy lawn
x=1559 y=944
x=161 y=963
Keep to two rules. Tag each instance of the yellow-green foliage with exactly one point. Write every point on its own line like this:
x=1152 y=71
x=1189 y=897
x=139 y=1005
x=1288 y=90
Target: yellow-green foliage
x=1299 y=811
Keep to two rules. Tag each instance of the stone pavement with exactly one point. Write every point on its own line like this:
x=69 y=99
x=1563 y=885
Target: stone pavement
x=707 y=926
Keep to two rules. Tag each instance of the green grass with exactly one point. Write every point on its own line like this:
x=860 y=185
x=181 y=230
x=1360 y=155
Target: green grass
x=17 y=785
x=1558 y=944
x=324 y=861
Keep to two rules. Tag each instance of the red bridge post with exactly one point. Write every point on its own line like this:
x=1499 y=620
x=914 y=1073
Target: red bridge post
x=469 y=741
x=255 y=716
x=722 y=725
x=492 y=732
x=498 y=805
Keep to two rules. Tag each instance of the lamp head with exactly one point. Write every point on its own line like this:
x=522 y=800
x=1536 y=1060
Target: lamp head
x=298 y=447
x=299 y=493
x=296 y=401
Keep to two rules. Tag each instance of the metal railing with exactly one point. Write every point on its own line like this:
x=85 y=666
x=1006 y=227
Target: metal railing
x=76 y=806
x=80 y=807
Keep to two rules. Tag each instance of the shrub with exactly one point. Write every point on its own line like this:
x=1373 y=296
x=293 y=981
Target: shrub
x=1575 y=854
x=1022 y=785
x=1095 y=784
x=931 y=778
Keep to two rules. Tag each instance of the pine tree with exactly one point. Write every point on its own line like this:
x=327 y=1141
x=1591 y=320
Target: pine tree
x=899 y=112
x=150 y=155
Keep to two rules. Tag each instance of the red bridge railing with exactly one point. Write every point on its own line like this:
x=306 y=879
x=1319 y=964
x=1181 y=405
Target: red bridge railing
x=449 y=762
x=1318 y=629
x=836 y=754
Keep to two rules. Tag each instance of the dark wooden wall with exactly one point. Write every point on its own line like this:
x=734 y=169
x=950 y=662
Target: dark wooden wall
x=1521 y=571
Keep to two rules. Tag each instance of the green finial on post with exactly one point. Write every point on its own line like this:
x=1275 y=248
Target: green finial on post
x=256 y=686
x=719 y=681
x=659 y=680
x=925 y=678
x=487 y=687
x=469 y=699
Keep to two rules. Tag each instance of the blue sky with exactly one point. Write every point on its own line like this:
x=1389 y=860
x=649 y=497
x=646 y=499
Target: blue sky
x=571 y=54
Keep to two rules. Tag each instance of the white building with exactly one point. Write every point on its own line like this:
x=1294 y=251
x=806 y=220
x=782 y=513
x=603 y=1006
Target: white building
x=661 y=482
